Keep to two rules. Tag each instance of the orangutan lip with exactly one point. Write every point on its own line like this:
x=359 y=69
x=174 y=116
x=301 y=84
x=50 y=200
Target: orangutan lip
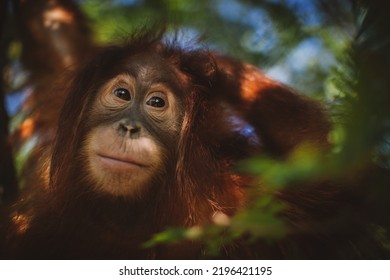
x=120 y=161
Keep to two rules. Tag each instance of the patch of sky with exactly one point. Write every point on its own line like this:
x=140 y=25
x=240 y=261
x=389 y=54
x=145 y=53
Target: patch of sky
x=184 y=37
x=306 y=10
x=127 y=2
x=13 y=102
x=15 y=98
x=117 y=2
x=301 y=57
x=260 y=36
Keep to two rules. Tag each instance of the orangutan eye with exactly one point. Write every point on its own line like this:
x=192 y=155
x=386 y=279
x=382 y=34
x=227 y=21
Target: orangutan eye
x=156 y=101
x=123 y=94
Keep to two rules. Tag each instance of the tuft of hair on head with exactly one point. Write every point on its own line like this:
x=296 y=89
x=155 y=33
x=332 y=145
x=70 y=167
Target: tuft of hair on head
x=145 y=36
x=185 y=38
x=168 y=38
